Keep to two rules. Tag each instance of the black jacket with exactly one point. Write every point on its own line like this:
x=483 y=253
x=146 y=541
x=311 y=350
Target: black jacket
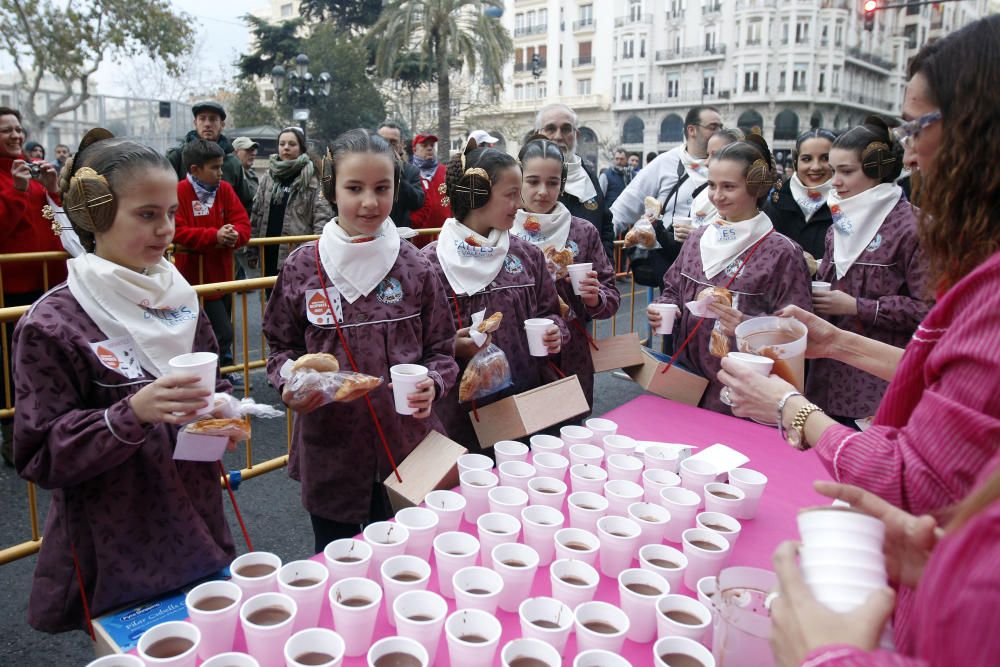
x=787 y=218
x=411 y=196
x=232 y=168
x=597 y=212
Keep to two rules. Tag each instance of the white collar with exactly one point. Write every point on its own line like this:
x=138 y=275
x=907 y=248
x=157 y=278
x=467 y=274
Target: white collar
x=724 y=241
x=810 y=199
x=544 y=229
x=356 y=265
x=470 y=261
x=856 y=221
x=578 y=181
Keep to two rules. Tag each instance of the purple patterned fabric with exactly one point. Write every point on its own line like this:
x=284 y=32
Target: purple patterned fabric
x=522 y=290
x=336 y=451
x=142 y=524
x=890 y=280
x=776 y=277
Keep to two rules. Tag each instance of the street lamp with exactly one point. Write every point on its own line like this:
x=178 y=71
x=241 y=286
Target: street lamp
x=299 y=92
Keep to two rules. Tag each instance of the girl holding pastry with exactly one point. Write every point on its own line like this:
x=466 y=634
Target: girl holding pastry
x=738 y=262
x=485 y=267
x=372 y=302
x=98 y=406
x=547 y=224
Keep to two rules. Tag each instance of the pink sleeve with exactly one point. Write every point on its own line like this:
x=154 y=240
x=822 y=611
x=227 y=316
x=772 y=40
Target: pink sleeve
x=851 y=656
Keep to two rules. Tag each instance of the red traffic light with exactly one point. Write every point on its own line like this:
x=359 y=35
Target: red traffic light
x=871 y=5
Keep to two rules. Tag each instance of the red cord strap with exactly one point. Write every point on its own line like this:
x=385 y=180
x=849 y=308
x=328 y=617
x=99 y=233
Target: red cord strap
x=83 y=592
x=354 y=366
x=582 y=329
x=732 y=279
x=236 y=508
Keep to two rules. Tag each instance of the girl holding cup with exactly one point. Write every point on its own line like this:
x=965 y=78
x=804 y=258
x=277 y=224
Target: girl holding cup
x=485 y=267
x=97 y=418
x=545 y=222
x=360 y=294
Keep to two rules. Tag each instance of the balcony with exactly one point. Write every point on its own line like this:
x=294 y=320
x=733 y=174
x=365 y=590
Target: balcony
x=582 y=25
x=688 y=97
x=526 y=67
x=755 y=5
x=638 y=19
x=529 y=30
x=711 y=10
x=691 y=53
x=583 y=61
x=874 y=61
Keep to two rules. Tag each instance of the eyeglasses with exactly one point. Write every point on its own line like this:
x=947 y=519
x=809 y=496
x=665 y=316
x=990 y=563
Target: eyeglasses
x=714 y=127
x=909 y=131
x=565 y=128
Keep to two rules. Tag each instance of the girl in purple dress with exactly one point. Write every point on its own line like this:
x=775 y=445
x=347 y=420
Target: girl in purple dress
x=98 y=406
x=373 y=301
x=546 y=223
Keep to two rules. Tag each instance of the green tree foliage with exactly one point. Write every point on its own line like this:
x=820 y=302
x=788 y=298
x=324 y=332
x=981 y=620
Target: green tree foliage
x=246 y=110
x=442 y=33
x=275 y=43
x=69 y=40
x=348 y=14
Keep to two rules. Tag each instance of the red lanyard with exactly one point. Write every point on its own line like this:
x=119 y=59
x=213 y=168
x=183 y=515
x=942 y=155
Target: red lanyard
x=354 y=366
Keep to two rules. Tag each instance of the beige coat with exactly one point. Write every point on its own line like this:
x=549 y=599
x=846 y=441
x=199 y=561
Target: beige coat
x=305 y=213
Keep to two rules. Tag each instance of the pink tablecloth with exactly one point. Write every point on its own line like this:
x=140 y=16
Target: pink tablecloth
x=790 y=476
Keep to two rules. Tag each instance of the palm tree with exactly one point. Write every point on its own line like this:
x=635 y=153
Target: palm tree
x=443 y=33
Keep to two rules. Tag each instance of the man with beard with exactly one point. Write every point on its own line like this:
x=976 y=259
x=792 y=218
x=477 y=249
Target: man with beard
x=582 y=195
x=616 y=177
x=436 y=208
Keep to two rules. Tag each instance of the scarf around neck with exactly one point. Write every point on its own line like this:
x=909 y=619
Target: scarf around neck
x=426 y=165
x=578 y=181
x=856 y=221
x=357 y=264
x=203 y=191
x=544 y=229
x=696 y=167
x=809 y=199
x=724 y=241
x=703 y=210
x=283 y=173
x=470 y=261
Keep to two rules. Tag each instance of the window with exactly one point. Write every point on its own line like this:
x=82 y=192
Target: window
x=822 y=82
x=838 y=34
x=784 y=32
x=753 y=33
x=642 y=89
x=786 y=125
x=708 y=82
x=671 y=129
x=824 y=40
x=751 y=79
x=628 y=49
x=530 y=18
x=782 y=79
x=633 y=130
x=583 y=87
x=286 y=10
x=799 y=77
x=912 y=7
x=543 y=91
x=710 y=42
x=835 y=80
x=801 y=32
x=673 y=85
x=543 y=17
x=626 y=88
x=529 y=91
x=518 y=92
x=518 y=23
x=635 y=10
x=910 y=33
x=642 y=47
x=586 y=14
x=518 y=58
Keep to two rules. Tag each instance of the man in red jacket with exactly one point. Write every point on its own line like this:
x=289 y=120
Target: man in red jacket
x=211 y=225
x=436 y=208
x=23 y=191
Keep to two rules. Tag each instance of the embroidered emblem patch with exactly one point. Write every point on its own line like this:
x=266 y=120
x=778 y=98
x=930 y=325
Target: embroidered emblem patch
x=389 y=291
x=591 y=204
x=875 y=244
x=512 y=264
x=574 y=247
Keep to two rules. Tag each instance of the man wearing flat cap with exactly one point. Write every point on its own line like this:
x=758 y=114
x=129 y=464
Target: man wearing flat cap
x=209 y=120
x=436 y=208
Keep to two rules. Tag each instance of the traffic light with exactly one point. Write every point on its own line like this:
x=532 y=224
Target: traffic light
x=868 y=8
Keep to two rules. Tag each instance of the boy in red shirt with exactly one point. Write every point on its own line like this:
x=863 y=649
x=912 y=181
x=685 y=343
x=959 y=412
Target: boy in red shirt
x=211 y=225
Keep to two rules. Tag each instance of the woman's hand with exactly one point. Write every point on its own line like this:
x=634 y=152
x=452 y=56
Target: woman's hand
x=811 y=264
x=422 y=398
x=751 y=394
x=590 y=290
x=178 y=393
x=465 y=347
x=682 y=230
x=801 y=624
x=49 y=177
x=909 y=539
x=729 y=318
x=22 y=175
x=823 y=336
x=303 y=405
x=552 y=340
x=835 y=302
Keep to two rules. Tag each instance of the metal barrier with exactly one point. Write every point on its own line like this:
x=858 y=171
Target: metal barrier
x=9 y=316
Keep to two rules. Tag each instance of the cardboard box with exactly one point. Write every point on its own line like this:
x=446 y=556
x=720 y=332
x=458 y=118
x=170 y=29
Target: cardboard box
x=432 y=465
x=617 y=352
x=530 y=411
x=677 y=384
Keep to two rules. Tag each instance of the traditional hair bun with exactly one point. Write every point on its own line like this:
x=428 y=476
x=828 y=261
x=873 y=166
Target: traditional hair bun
x=88 y=201
x=326 y=175
x=879 y=158
x=761 y=174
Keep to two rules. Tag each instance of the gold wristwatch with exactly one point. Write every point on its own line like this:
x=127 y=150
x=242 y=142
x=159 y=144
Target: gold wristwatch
x=796 y=435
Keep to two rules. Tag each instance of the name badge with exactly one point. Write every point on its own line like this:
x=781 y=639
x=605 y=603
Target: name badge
x=118 y=354
x=318 y=309
x=199 y=209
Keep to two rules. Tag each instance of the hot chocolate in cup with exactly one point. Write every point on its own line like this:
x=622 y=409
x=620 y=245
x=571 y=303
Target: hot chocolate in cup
x=310 y=646
x=573 y=581
x=473 y=637
x=401 y=574
x=476 y=485
x=619 y=539
x=723 y=498
x=637 y=592
x=546 y=619
x=214 y=607
x=706 y=551
x=721 y=523
x=577 y=544
x=268 y=620
x=203 y=364
x=683 y=505
x=173 y=644
x=388 y=651
x=232 y=659
x=655 y=479
x=585 y=508
x=448 y=506
x=496 y=528
x=422 y=524
x=669 y=651
x=420 y=615
x=780 y=338
x=507 y=500
x=695 y=474
x=355 y=603
x=667 y=562
x=681 y=616
x=540 y=524
x=652 y=519
x=387 y=539
x=477 y=588
x=517 y=565
x=600 y=658
x=752 y=484
x=347 y=558
x=256 y=572
x=600 y=625
x=621 y=493
x=547 y=491
x=840 y=519
x=453 y=551
x=305 y=582
x=526 y=651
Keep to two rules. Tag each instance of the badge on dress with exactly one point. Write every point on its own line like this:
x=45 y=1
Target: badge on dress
x=512 y=264
x=199 y=209
x=118 y=354
x=591 y=204
x=317 y=308
x=389 y=291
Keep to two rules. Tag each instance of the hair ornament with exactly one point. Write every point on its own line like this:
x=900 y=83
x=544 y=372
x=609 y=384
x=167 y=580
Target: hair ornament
x=759 y=178
x=877 y=160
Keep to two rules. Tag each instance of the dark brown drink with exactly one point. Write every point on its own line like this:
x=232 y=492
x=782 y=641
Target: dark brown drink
x=255 y=570
x=574 y=581
x=683 y=617
x=706 y=545
x=724 y=495
x=168 y=647
x=510 y=562
x=407 y=576
x=303 y=582
x=528 y=662
x=763 y=343
x=314 y=658
x=644 y=589
x=717 y=528
x=477 y=591
x=586 y=507
x=618 y=533
x=577 y=546
x=355 y=602
x=213 y=603
x=397 y=659
x=546 y=490
x=664 y=563
x=348 y=559
x=269 y=616
x=680 y=660
x=420 y=618
x=543 y=623
x=473 y=639
x=601 y=627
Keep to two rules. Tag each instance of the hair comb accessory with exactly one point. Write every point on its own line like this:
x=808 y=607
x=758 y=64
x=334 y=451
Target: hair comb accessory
x=759 y=178
x=478 y=194
x=78 y=184
x=877 y=159
x=326 y=175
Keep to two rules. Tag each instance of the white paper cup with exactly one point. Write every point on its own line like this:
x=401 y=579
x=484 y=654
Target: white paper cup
x=314 y=641
x=578 y=272
x=831 y=574
x=652 y=519
x=706 y=551
x=683 y=505
x=266 y=642
x=846 y=554
x=510 y=450
x=723 y=524
x=723 y=498
x=707 y=587
x=304 y=581
x=585 y=508
x=517 y=565
x=422 y=525
x=476 y=485
x=619 y=542
x=655 y=479
x=598 y=658
x=248 y=572
x=215 y=620
x=620 y=494
x=668 y=313
x=477 y=588
x=547 y=491
x=681 y=616
x=508 y=500
x=757 y=363
x=203 y=364
x=391 y=645
x=674 y=646
x=577 y=544
x=496 y=528
x=752 y=484
x=576 y=435
x=551 y=465
x=821 y=286
x=448 y=506
x=546 y=619
x=519 y=649
x=467 y=462
x=516 y=474
x=405 y=378
x=621 y=466
x=583 y=453
x=600 y=625
x=573 y=581
x=540 y=524
x=831 y=519
x=695 y=474
x=661 y=458
x=420 y=615
x=618 y=444
x=637 y=593
x=387 y=539
x=546 y=443
x=453 y=551
x=668 y=562
x=347 y=558
x=355 y=622
x=179 y=629
x=221 y=660
x=401 y=574
x=126 y=660
x=821 y=539
x=535 y=329
x=587 y=477
x=601 y=428
x=472 y=623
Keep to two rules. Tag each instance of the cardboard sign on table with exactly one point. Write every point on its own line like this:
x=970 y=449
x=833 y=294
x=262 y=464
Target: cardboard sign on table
x=677 y=384
x=432 y=465
x=616 y=352
x=530 y=411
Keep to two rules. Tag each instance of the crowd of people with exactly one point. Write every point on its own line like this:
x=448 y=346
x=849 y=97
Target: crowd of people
x=902 y=335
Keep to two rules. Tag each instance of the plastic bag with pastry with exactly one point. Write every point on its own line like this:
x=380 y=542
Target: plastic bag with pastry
x=718 y=344
x=641 y=235
x=336 y=386
x=558 y=261
x=233 y=428
x=487 y=373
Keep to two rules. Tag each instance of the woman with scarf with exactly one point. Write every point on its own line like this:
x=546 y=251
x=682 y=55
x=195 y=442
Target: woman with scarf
x=436 y=208
x=703 y=211
x=289 y=201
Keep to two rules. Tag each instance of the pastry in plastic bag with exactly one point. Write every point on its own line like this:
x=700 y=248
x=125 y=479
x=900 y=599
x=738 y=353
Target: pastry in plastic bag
x=487 y=373
x=558 y=261
x=336 y=386
x=718 y=345
x=238 y=429
x=718 y=294
x=490 y=324
x=354 y=386
x=320 y=362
